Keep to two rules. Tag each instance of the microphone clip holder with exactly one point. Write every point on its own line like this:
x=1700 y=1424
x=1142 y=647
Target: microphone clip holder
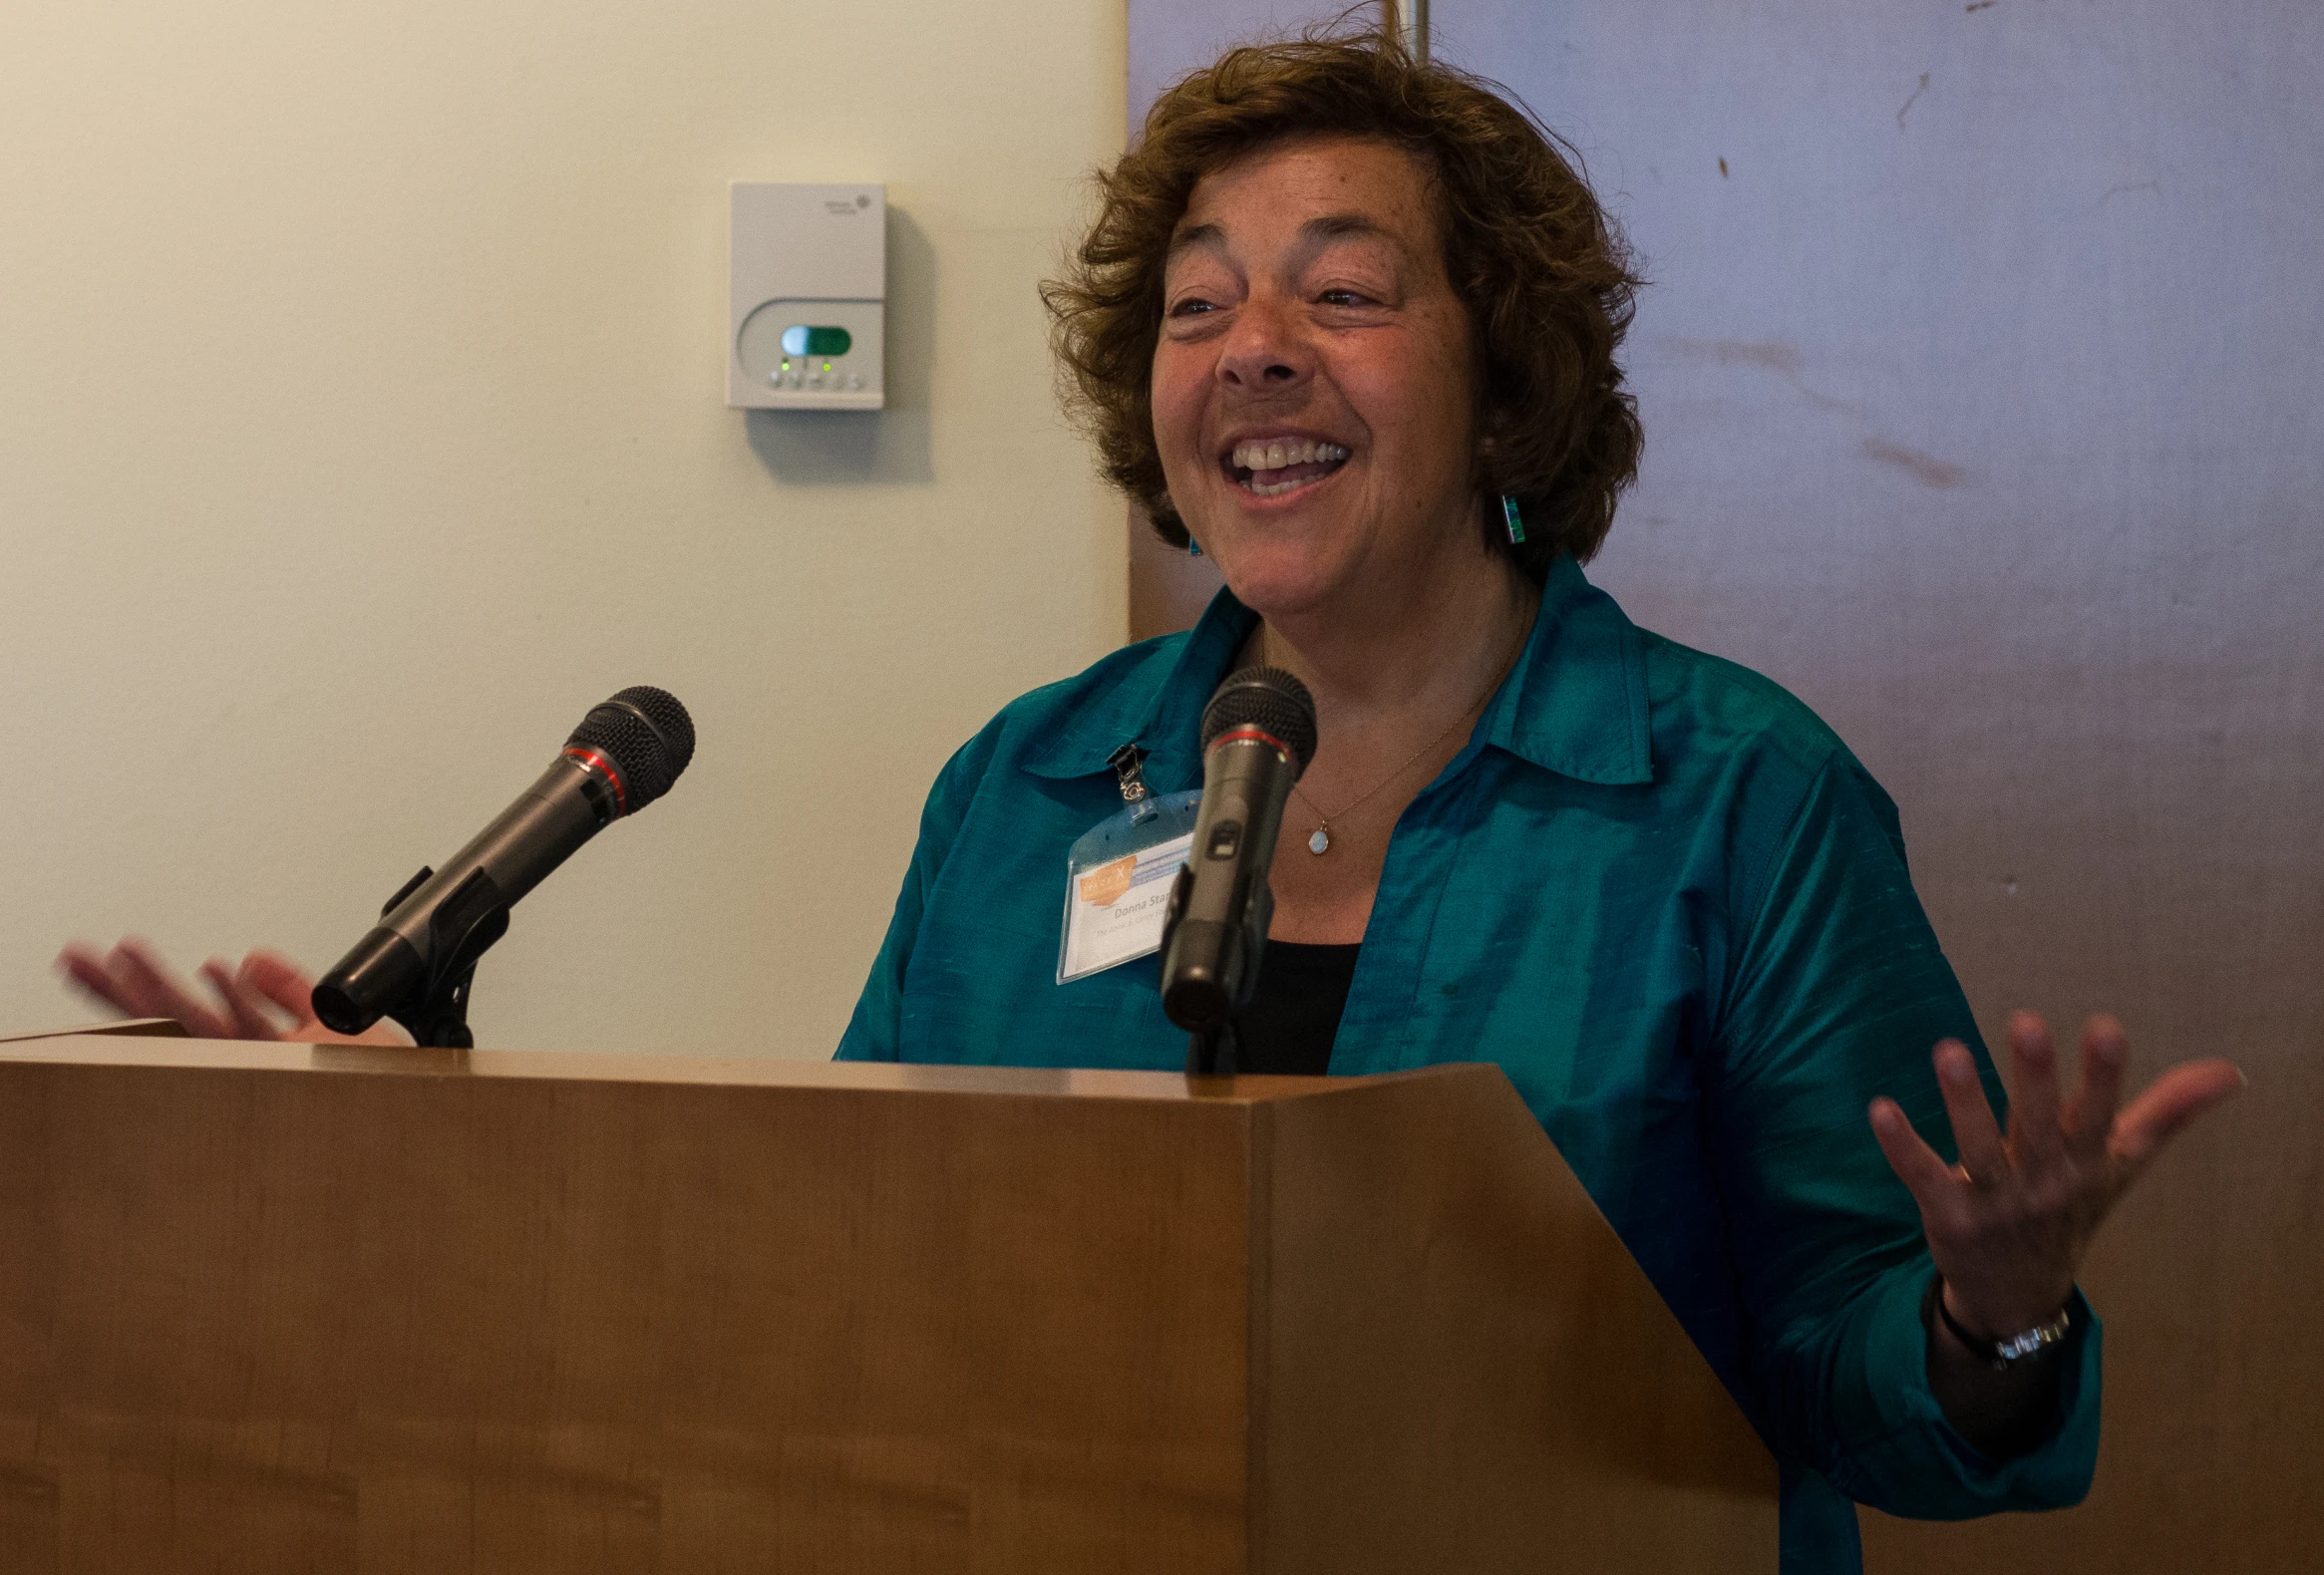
x=1214 y=1049
x=461 y=930
x=1214 y=1036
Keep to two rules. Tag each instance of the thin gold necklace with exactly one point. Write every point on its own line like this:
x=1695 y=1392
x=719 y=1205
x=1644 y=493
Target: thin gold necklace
x=1319 y=840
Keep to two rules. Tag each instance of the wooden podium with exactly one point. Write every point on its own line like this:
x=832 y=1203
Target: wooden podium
x=286 y=1308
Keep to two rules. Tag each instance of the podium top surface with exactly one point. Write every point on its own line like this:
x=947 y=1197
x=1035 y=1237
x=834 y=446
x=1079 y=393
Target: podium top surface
x=116 y=1049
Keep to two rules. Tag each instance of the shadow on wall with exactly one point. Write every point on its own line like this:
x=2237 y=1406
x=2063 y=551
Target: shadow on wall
x=844 y=447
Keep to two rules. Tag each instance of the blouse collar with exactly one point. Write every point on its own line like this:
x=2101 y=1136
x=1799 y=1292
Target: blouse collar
x=1575 y=702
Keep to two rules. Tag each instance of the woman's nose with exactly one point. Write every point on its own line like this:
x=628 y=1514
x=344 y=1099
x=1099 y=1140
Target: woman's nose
x=1263 y=353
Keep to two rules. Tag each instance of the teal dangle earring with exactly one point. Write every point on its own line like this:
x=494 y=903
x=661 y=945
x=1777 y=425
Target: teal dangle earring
x=1514 y=521
x=1193 y=547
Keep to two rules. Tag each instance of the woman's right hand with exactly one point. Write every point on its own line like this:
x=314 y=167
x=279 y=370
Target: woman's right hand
x=269 y=997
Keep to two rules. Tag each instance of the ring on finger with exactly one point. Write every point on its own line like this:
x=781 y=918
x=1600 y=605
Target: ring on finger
x=1981 y=1183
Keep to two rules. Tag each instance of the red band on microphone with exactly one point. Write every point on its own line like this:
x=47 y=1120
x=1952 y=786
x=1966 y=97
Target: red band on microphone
x=1248 y=732
x=589 y=757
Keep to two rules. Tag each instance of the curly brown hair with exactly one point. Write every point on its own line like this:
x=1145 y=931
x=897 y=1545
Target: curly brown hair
x=1544 y=276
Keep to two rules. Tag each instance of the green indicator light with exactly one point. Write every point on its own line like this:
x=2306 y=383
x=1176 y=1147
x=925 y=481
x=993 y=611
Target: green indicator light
x=787 y=366
x=827 y=366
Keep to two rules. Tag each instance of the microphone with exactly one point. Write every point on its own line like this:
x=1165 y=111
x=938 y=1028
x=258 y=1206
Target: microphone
x=417 y=964
x=1258 y=734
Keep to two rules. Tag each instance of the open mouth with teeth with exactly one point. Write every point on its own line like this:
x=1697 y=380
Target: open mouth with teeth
x=1275 y=466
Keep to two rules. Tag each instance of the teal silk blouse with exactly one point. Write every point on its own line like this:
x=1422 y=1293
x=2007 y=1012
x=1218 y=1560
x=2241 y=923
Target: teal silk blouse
x=1659 y=894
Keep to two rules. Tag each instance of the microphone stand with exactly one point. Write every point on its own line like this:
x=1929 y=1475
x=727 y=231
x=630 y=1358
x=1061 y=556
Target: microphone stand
x=1213 y=1050
x=439 y=1019
x=462 y=929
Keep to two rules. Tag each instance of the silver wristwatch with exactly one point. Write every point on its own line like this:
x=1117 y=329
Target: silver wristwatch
x=2001 y=1355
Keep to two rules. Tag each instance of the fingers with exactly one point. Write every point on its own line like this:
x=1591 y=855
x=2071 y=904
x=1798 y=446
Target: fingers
x=2171 y=1102
x=1984 y=1156
x=2089 y=1117
x=280 y=981
x=244 y=1006
x=2037 y=1141
x=85 y=966
x=133 y=978
x=292 y=987
x=1921 y=1169
x=160 y=993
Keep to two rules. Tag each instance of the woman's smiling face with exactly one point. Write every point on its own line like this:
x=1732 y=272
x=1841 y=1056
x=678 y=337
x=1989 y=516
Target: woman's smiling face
x=1314 y=385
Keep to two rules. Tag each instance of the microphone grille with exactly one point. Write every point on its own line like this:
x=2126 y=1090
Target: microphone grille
x=1269 y=699
x=647 y=735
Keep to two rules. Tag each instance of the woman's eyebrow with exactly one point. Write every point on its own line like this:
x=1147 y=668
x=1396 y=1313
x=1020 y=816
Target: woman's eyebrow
x=1317 y=234
x=1332 y=226
x=1193 y=235
x=1312 y=235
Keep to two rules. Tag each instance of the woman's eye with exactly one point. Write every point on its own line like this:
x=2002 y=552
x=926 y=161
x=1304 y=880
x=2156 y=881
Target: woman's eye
x=1341 y=296
x=1191 y=306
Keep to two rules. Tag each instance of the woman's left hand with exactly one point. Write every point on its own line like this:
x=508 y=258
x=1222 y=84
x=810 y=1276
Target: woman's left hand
x=2008 y=1226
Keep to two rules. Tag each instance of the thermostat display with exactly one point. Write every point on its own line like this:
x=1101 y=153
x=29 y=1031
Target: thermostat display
x=800 y=340
x=807 y=288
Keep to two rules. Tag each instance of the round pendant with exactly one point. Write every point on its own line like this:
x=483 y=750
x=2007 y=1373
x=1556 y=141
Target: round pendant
x=1320 y=844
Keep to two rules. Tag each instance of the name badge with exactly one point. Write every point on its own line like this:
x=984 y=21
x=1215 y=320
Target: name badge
x=1118 y=884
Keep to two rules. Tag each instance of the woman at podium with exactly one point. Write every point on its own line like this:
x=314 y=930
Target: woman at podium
x=1347 y=324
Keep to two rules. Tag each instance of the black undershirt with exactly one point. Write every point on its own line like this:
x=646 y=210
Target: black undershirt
x=1295 y=1008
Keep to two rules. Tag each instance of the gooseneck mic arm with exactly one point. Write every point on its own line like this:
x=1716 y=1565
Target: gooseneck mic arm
x=417 y=964
x=1258 y=734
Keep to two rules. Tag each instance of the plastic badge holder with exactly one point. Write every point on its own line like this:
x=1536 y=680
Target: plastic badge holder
x=1118 y=883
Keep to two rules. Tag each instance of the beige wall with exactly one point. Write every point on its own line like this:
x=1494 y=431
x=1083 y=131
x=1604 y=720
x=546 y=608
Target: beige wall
x=361 y=422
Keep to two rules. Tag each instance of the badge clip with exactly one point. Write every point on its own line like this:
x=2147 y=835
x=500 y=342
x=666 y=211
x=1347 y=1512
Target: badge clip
x=1117 y=874
x=1129 y=763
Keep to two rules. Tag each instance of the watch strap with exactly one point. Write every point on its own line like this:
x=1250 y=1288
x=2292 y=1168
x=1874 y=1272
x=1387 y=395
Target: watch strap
x=2001 y=1355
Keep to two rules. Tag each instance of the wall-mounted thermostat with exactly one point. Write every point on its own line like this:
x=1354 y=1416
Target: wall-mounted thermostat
x=807 y=297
